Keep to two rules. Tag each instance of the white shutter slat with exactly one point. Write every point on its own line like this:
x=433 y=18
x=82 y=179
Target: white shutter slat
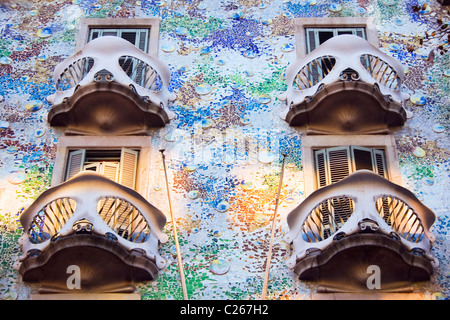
x=128 y=165
x=75 y=163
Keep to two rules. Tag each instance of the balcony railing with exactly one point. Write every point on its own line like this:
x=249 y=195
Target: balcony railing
x=347 y=67
x=361 y=211
x=88 y=209
x=111 y=64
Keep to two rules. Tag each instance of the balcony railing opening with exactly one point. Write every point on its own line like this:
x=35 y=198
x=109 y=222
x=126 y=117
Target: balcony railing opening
x=327 y=218
x=401 y=218
x=381 y=71
x=74 y=73
x=314 y=72
x=141 y=73
x=50 y=219
x=122 y=217
x=137 y=70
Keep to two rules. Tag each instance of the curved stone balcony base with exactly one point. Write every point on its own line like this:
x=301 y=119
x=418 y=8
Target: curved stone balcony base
x=107 y=108
x=105 y=266
x=347 y=107
x=343 y=266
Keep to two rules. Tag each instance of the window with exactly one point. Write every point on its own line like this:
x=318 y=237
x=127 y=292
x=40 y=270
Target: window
x=311 y=32
x=347 y=153
x=334 y=164
x=138 y=37
x=125 y=159
x=142 y=32
x=117 y=165
x=316 y=36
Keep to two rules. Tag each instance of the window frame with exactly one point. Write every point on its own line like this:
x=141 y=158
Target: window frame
x=302 y=24
x=325 y=170
x=153 y=24
x=121 y=170
x=334 y=30
x=66 y=144
x=312 y=143
x=119 y=31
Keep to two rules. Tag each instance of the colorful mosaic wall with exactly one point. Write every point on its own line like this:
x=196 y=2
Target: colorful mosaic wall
x=227 y=59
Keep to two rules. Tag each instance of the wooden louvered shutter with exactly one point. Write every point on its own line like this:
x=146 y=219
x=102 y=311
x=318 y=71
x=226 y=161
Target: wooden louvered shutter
x=362 y=158
x=370 y=159
x=110 y=170
x=339 y=163
x=381 y=168
x=128 y=165
x=321 y=164
x=334 y=164
x=380 y=163
x=311 y=42
x=75 y=163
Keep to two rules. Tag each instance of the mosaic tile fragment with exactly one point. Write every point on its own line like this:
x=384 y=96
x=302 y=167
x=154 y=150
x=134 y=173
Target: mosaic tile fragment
x=219 y=266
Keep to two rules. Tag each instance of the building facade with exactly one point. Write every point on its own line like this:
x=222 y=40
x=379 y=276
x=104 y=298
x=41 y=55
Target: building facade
x=224 y=149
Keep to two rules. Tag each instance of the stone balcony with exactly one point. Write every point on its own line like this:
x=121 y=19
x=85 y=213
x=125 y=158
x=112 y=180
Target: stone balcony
x=110 y=87
x=345 y=86
x=364 y=220
x=107 y=230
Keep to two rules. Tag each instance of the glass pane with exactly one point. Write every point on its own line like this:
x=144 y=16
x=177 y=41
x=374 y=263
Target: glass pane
x=345 y=32
x=324 y=36
x=109 y=33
